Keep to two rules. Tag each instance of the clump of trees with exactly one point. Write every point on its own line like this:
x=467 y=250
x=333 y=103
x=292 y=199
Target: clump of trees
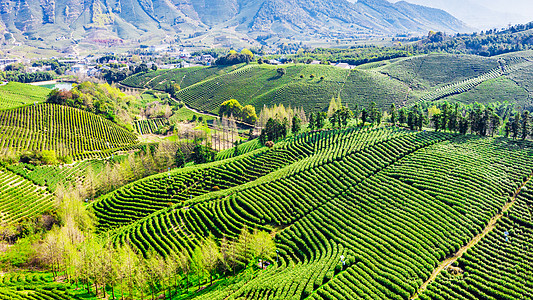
x=274 y=130
x=45 y=157
x=101 y=99
x=203 y=153
x=232 y=108
x=233 y=58
x=338 y=114
x=280 y=112
x=490 y=120
x=101 y=267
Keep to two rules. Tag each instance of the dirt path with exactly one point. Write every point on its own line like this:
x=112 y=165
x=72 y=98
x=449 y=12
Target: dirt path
x=490 y=226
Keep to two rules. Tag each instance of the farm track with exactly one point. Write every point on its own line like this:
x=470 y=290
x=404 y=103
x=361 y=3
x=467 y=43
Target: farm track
x=490 y=226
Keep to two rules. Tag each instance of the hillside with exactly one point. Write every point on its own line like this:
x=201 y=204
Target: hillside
x=65 y=130
x=68 y=24
x=402 y=81
x=21 y=199
x=394 y=203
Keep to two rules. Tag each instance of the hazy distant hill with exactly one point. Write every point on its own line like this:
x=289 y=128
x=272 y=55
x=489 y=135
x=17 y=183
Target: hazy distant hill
x=484 y=14
x=115 y=22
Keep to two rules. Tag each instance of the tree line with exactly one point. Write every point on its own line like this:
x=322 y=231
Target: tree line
x=493 y=119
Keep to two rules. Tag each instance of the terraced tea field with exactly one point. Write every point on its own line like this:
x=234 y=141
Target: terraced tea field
x=20 y=198
x=394 y=203
x=500 y=266
x=65 y=130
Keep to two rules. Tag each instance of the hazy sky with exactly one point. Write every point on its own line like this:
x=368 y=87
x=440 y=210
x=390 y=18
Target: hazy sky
x=483 y=14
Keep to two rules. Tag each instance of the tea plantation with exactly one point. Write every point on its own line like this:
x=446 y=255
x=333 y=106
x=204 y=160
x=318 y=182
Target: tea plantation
x=67 y=131
x=393 y=203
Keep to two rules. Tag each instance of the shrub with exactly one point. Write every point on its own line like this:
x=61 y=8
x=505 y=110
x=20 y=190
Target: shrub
x=49 y=157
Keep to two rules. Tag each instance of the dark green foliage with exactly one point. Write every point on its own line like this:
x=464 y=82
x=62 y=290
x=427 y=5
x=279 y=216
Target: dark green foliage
x=233 y=59
x=27 y=77
x=341 y=117
x=320 y=120
x=393 y=114
x=179 y=158
x=202 y=154
x=296 y=124
x=275 y=129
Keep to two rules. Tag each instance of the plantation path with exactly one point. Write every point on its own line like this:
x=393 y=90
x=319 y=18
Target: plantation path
x=490 y=226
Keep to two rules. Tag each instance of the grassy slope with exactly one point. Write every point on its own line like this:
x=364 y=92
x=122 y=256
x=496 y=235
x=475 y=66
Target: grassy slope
x=499 y=89
x=385 y=197
x=185 y=77
x=16 y=94
x=435 y=70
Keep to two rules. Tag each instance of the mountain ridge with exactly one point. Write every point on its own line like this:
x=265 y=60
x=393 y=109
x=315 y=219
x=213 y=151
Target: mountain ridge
x=143 y=21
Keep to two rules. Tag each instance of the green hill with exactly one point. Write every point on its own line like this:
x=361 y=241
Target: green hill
x=394 y=203
x=16 y=94
x=403 y=81
x=158 y=80
x=66 y=130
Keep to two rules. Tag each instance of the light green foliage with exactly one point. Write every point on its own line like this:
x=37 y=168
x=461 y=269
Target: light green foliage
x=19 y=254
x=49 y=157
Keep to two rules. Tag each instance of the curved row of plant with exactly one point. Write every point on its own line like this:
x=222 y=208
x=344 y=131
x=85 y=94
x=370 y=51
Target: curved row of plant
x=499 y=266
x=21 y=199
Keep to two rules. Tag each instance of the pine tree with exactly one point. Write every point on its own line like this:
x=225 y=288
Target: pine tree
x=364 y=116
x=515 y=126
x=393 y=114
x=296 y=124
x=311 y=121
x=525 y=125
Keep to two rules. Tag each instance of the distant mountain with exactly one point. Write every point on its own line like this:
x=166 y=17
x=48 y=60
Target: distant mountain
x=121 y=22
x=484 y=14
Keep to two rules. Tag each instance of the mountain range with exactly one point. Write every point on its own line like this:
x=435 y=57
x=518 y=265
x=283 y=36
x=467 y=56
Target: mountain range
x=64 y=23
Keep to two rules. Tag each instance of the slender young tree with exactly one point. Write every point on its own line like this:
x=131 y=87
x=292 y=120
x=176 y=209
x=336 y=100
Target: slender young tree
x=197 y=264
x=525 y=125
x=211 y=256
x=495 y=123
x=311 y=124
x=296 y=124
x=515 y=126
x=436 y=119
x=393 y=114
x=364 y=116
x=263 y=246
